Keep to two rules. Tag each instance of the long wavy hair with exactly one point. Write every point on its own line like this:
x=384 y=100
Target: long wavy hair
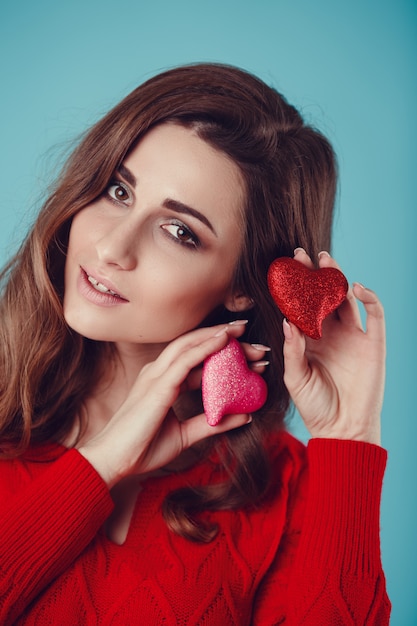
x=46 y=369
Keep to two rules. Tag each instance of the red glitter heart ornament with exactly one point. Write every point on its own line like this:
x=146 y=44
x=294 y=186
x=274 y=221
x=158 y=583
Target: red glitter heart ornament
x=306 y=297
x=229 y=386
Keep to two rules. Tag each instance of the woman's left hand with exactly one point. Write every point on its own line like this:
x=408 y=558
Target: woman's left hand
x=337 y=382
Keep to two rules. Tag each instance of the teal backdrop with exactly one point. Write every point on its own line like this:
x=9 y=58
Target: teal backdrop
x=351 y=69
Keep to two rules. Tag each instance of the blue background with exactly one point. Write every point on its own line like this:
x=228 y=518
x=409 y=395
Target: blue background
x=349 y=66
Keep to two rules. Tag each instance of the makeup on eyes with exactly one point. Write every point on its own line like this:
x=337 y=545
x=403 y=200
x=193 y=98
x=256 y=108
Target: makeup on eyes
x=189 y=234
x=169 y=203
x=118 y=184
x=191 y=240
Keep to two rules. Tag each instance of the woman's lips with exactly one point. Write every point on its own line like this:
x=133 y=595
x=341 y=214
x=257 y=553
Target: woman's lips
x=98 y=292
x=100 y=287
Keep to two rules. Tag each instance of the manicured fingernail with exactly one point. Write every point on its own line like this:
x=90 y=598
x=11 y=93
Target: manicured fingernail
x=234 y=323
x=297 y=250
x=249 y=419
x=261 y=347
x=260 y=363
x=287 y=329
x=221 y=331
x=323 y=253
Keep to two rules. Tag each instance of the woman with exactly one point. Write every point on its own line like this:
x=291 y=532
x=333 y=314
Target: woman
x=120 y=504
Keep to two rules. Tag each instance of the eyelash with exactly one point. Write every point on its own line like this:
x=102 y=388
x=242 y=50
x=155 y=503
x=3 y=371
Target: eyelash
x=195 y=242
x=118 y=183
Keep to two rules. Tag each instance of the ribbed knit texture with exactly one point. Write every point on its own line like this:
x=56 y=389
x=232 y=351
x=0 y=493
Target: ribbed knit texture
x=308 y=556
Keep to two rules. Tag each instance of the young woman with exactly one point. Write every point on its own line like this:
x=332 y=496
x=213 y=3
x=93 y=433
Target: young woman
x=119 y=503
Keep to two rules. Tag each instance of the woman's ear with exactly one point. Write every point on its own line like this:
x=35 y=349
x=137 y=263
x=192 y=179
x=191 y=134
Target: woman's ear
x=238 y=302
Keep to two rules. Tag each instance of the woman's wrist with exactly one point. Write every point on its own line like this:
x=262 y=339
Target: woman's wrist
x=102 y=463
x=370 y=435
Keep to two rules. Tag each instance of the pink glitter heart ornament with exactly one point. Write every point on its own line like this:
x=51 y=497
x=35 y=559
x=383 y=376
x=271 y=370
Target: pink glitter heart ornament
x=229 y=386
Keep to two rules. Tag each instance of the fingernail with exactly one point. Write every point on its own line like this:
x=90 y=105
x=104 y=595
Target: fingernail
x=249 y=419
x=297 y=250
x=221 y=331
x=261 y=347
x=287 y=329
x=234 y=323
x=260 y=363
x=359 y=285
x=323 y=253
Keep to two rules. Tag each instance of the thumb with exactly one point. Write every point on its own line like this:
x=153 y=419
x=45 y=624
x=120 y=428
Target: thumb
x=296 y=366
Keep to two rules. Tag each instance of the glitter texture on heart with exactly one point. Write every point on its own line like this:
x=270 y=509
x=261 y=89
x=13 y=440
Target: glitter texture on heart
x=229 y=386
x=306 y=297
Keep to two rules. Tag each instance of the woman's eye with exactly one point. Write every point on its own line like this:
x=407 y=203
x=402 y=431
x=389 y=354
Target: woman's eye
x=182 y=234
x=119 y=192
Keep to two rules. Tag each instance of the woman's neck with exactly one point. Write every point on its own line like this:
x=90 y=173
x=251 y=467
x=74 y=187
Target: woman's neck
x=119 y=372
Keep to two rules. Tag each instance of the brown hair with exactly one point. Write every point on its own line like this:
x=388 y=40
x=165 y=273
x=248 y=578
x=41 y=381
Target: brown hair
x=290 y=177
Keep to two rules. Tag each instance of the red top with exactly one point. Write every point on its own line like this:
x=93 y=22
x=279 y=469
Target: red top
x=309 y=556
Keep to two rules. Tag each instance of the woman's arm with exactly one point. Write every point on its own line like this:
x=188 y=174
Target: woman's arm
x=144 y=434
x=328 y=569
x=45 y=526
x=334 y=574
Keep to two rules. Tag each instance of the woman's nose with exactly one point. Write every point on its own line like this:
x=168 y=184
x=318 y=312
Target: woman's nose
x=118 y=246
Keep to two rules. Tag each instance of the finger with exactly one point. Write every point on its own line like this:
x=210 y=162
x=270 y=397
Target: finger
x=296 y=367
x=255 y=351
x=375 y=319
x=257 y=356
x=174 y=373
x=215 y=336
x=254 y=354
x=259 y=366
x=179 y=369
x=164 y=379
x=196 y=428
x=193 y=380
x=326 y=260
x=301 y=255
x=348 y=312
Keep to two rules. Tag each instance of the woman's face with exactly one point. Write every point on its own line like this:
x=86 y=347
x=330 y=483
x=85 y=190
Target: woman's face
x=152 y=257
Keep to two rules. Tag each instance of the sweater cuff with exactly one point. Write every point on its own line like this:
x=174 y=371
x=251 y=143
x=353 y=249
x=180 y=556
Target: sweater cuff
x=343 y=505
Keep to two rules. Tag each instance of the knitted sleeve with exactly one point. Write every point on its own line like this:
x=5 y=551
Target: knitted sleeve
x=45 y=526
x=328 y=568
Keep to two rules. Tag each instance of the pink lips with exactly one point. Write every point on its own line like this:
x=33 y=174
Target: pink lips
x=90 y=293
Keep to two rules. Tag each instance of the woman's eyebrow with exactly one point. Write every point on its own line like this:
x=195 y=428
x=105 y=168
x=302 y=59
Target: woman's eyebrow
x=127 y=175
x=173 y=205
x=180 y=207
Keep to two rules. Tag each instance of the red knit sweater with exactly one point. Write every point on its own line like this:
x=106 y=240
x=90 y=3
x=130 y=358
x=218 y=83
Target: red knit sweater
x=309 y=556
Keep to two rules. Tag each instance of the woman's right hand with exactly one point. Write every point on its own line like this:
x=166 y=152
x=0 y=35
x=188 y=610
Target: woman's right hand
x=337 y=382
x=144 y=434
